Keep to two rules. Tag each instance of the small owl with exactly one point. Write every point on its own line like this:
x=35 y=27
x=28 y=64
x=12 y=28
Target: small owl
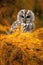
x=25 y=19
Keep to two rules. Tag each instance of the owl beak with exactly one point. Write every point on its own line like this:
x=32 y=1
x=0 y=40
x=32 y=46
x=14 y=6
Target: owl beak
x=24 y=20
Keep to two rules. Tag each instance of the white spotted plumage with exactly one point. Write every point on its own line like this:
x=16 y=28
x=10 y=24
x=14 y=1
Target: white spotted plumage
x=25 y=18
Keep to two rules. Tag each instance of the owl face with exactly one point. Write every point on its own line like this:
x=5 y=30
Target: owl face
x=25 y=16
x=22 y=16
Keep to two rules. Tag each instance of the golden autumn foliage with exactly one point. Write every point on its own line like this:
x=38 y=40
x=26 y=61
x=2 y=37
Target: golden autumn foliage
x=21 y=48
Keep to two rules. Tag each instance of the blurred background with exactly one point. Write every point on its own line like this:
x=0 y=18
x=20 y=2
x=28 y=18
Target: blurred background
x=10 y=8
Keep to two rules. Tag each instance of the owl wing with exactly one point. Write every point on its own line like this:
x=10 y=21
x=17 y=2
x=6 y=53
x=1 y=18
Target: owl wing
x=31 y=26
x=14 y=26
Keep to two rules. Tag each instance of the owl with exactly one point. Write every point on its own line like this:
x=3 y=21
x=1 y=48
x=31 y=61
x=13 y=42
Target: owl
x=25 y=19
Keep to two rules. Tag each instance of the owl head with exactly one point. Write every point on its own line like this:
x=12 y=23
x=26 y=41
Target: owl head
x=25 y=16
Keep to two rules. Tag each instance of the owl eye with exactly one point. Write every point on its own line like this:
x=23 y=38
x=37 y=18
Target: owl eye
x=28 y=16
x=22 y=16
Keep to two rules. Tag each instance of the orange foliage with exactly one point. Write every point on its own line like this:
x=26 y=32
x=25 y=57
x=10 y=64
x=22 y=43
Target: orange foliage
x=22 y=48
x=3 y=29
